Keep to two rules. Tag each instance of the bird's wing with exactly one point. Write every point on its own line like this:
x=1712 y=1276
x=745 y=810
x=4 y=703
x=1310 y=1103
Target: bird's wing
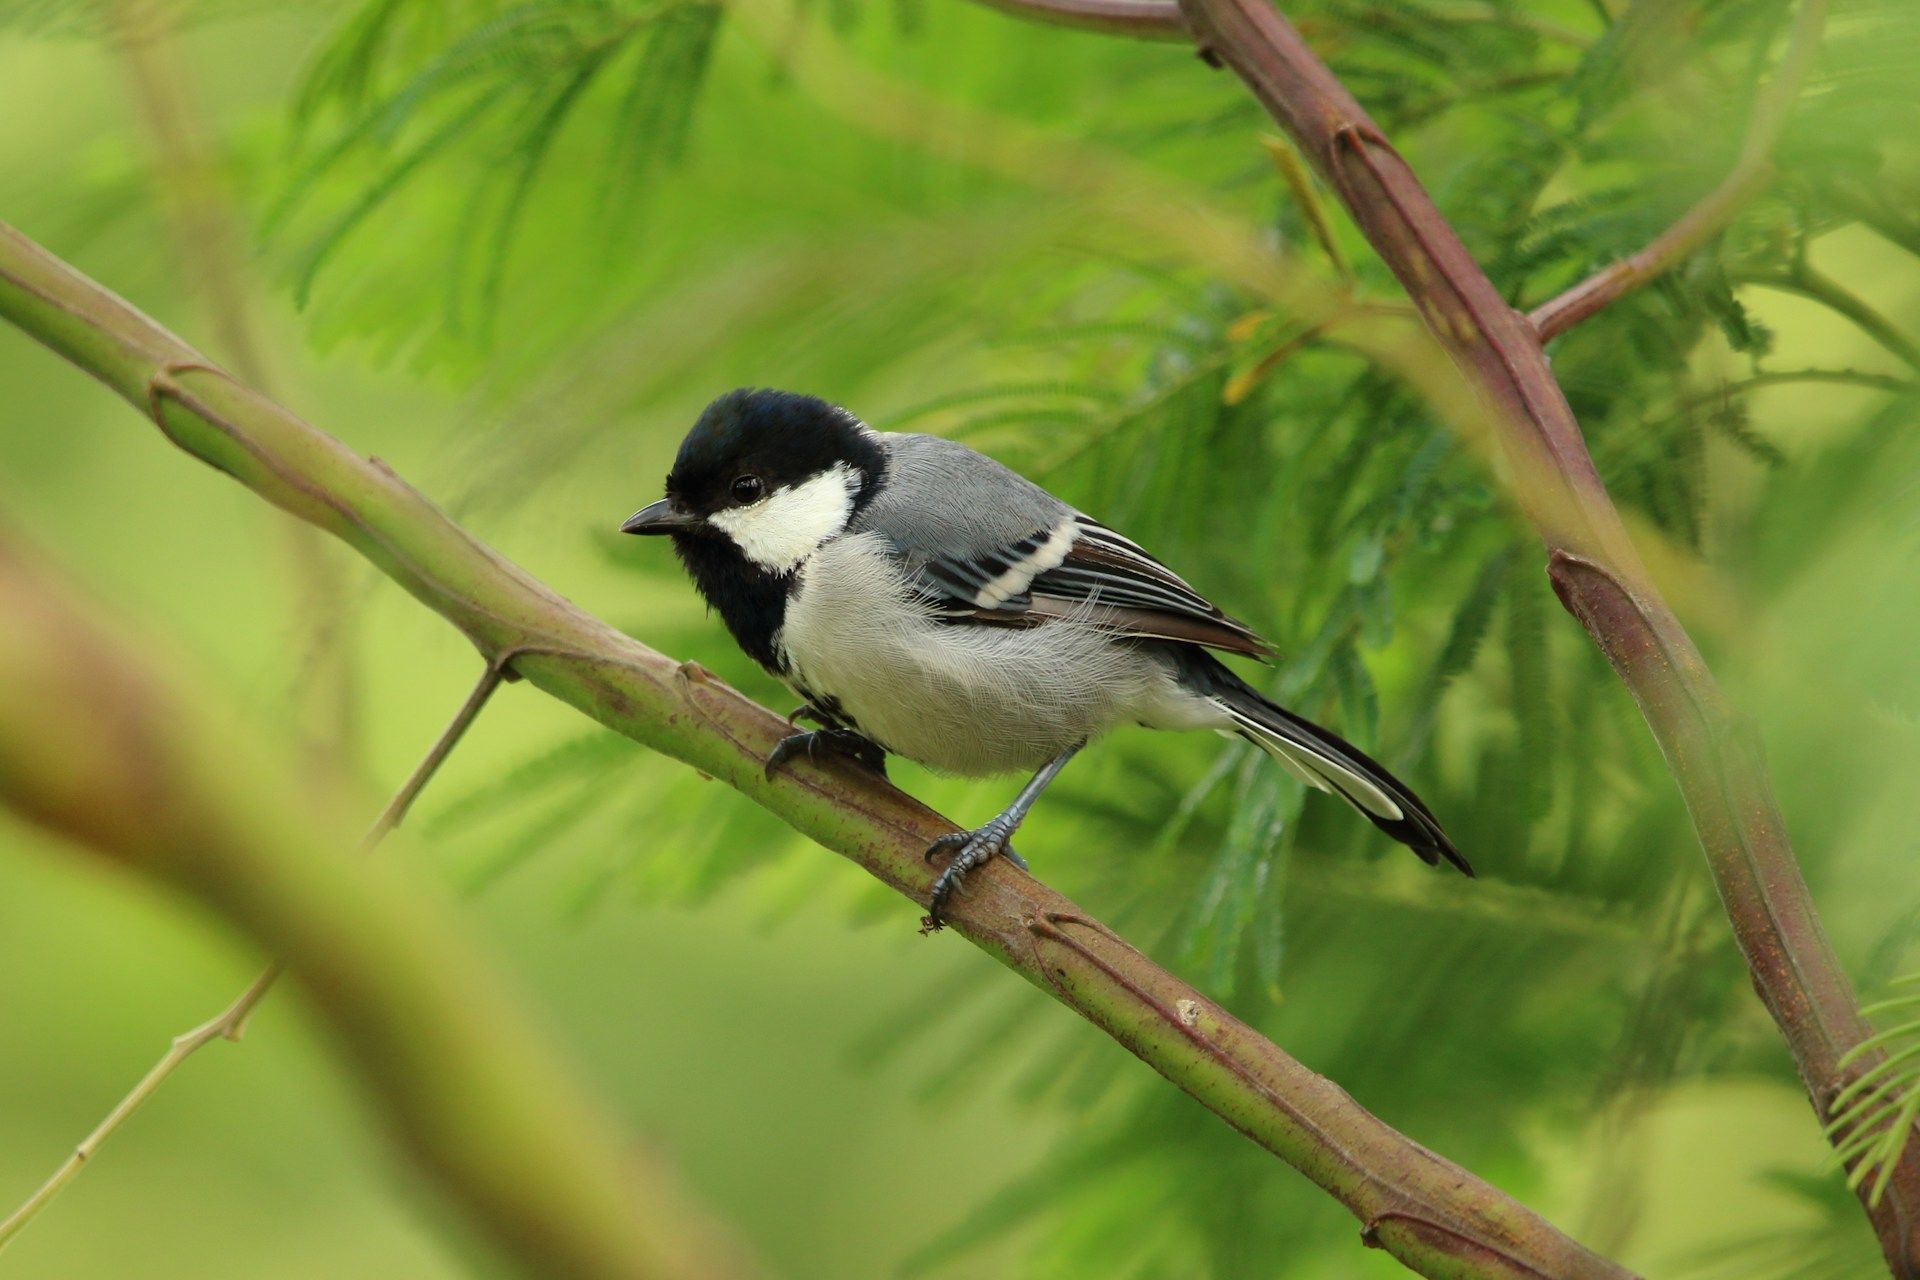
x=1080 y=568
x=982 y=544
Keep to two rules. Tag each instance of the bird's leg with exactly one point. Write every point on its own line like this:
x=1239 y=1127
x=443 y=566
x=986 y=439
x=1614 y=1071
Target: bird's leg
x=834 y=739
x=971 y=848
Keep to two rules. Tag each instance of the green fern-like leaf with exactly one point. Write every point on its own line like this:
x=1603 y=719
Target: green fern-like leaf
x=1873 y=1117
x=491 y=103
x=650 y=127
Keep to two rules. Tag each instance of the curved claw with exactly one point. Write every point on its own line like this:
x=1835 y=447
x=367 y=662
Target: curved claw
x=942 y=844
x=970 y=849
x=839 y=741
x=975 y=847
x=786 y=749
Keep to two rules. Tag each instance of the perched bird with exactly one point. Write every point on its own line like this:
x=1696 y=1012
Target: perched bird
x=926 y=601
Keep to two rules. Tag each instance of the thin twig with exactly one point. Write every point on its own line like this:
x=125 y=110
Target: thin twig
x=1785 y=378
x=1896 y=226
x=231 y=1022
x=226 y=1025
x=1242 y=384
x=402 y=802
x=1806 y=281
x=1752 y=171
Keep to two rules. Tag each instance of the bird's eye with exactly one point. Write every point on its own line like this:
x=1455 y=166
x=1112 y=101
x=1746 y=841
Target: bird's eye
x=747 y=489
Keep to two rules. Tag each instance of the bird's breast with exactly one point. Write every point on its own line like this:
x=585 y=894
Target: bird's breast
x=959 y=697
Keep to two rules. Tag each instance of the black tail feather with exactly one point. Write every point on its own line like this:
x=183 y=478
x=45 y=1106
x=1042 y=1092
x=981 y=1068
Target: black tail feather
x=1324 y=759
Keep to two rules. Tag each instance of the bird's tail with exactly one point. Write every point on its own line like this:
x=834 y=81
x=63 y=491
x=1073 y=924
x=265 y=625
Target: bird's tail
x=1326 y=761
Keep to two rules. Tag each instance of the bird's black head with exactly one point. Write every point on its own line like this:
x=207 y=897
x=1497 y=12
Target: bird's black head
x=762 y=479
x=775 y=472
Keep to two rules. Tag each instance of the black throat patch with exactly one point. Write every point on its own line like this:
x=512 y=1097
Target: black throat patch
x=751 y=600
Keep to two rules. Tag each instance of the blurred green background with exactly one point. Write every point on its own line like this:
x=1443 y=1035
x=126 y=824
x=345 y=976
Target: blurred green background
x=512 y=249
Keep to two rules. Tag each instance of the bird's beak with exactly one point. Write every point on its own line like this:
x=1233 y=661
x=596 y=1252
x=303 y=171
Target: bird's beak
x=660 y=517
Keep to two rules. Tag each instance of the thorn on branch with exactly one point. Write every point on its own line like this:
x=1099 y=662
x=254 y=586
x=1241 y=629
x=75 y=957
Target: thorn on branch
x=1357 y=135
x=1351 y=140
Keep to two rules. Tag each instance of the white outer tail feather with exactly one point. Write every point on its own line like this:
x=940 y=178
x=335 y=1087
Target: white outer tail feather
x=1317 y=769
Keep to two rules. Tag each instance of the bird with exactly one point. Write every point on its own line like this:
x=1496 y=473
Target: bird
x=925 y=601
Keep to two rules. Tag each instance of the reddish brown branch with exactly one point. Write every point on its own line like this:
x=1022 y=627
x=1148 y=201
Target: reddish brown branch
x=1595 y=569
x=1751 y=172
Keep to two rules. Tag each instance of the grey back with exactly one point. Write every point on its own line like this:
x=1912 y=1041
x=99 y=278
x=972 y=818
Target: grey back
x=943 y=500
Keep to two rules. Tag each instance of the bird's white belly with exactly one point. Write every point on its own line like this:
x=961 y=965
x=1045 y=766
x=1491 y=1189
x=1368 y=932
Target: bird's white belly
x=964 y=698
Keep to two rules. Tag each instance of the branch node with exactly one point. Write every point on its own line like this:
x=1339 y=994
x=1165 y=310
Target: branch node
x=1056 y=918
x=687 y=675
x=163 y=382
x=1356 y=136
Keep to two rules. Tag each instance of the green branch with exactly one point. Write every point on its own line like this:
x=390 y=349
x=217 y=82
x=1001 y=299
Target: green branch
x=1802 y=279
x=1595 y=569
x=100 y=746
x=1436 y=1217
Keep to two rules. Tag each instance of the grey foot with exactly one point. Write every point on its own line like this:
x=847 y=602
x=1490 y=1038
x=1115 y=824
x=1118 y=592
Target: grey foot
x=969 y=850
x=842 y=742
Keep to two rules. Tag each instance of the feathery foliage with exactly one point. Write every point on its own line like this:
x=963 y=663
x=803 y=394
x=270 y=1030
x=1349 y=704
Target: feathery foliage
x=1393 y=580
x=1874 y=1115
x=597 y=213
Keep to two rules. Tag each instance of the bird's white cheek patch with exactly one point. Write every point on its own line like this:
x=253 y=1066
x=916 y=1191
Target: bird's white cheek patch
x=788 y=525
